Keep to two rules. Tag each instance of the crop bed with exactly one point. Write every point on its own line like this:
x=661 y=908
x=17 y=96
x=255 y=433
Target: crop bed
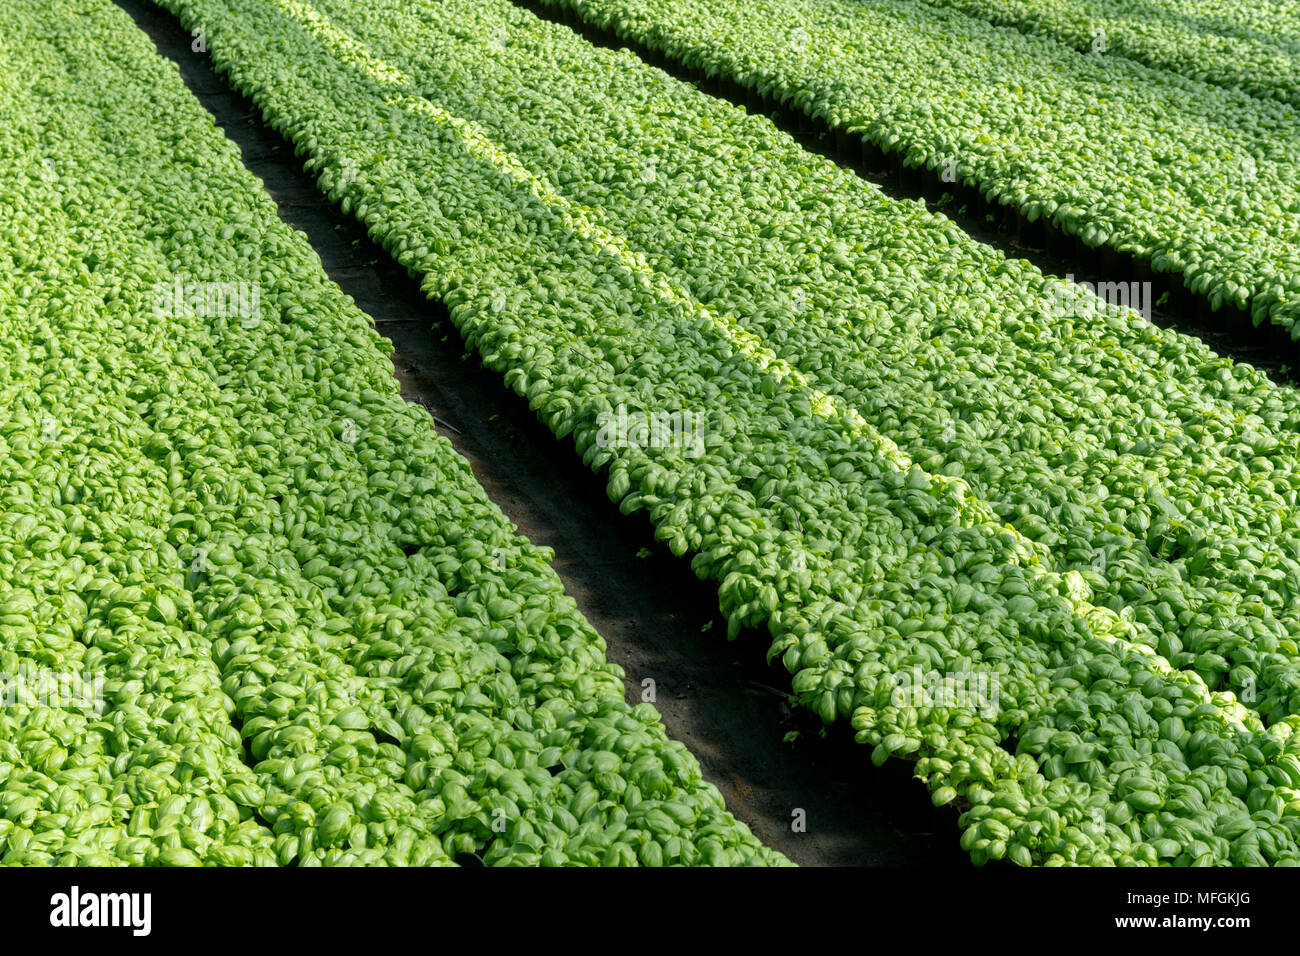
x=1098 y=512
x=308 y=636
x=1243 y=46
x=1191 y=177
x=1016 y=541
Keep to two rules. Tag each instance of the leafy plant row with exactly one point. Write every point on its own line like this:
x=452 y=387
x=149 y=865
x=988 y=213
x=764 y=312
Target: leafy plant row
x=319 y=642
x=1081 y=510
x=1254 y=49
x=640 y=254
x=1102 y=459
x=1197 y=179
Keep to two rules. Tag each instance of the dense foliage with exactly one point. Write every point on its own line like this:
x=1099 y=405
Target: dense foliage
x=909 y=460
x=1252 y=47
x=1198 y=179
x=320 y=642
